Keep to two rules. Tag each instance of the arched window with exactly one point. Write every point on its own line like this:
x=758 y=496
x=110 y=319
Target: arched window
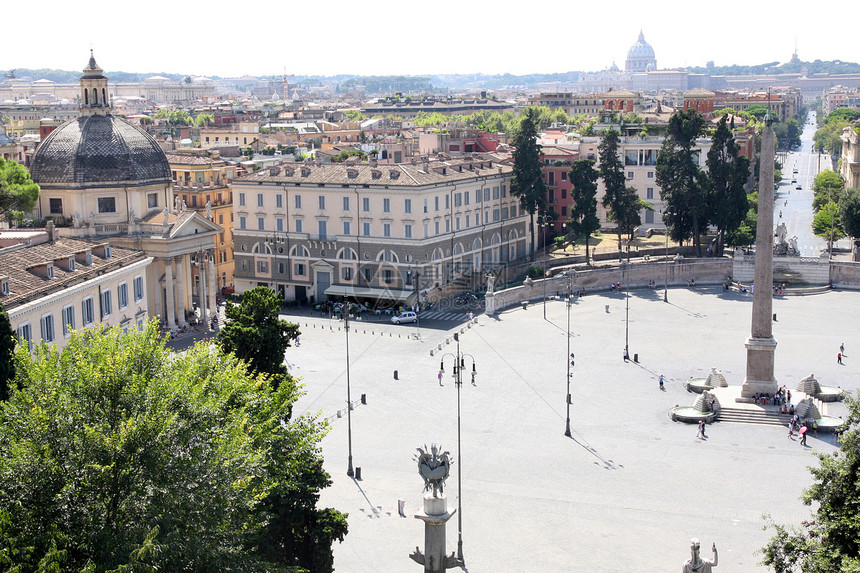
x=104 y=97
x=86 y=97
x=95 y=96
x=262 y=248
x=299 y=251
x=347 y=254
x=387 y=256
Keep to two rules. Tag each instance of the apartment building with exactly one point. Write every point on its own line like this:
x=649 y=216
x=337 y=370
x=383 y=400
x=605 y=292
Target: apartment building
x=557 y=162
x=839 y=96
x=378 y=233
x=850 y=164
x=201 y=179
x=51 y=286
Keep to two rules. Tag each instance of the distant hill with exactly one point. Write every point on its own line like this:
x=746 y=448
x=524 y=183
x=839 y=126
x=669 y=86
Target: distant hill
x=70 y=77
x=816 y=67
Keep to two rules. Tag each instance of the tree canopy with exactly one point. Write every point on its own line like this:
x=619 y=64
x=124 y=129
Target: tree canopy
x=726 y=178
x=681 y=180
x=849 y=212
x=826 y=187
x=7 y=351
x=614 y=181
x=255 y=333
x=583 y=219
x=826 y=223
x=527 y=183
x=18 y=193
x=830 y=540
x=117 y=455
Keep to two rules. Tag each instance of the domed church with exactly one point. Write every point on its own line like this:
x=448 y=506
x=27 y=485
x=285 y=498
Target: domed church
x=107 y=179
x=640 y=56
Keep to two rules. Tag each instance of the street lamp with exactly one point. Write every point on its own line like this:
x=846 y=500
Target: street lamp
x=830 y=208
x=627 y=303
x=569 y=353
x=666 y=284
x=345 y=312
x=543 y=225
x=459 y=364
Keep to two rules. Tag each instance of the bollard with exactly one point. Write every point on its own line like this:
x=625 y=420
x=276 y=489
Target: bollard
x=395 y=377
x=358 y=473
x=432 y=352
x=364 y=396
x=636 y=358
x=774 y=317
x=339 y=414
x=607 y=308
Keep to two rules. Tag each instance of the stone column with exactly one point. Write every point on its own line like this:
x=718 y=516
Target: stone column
x=213 y=306
x=761 y=345
x=168 y=287
x=204 y=307
x=435 y=516
x=179 y=292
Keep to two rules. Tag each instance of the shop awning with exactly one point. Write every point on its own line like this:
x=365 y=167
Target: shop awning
x=369 y=292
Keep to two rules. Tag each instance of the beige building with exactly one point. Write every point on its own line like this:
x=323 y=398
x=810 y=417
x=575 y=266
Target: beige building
x=201 y=178
x=850 y=164
x=241 y=134
x=105 y=179
x=378 y=233
x=51 y=285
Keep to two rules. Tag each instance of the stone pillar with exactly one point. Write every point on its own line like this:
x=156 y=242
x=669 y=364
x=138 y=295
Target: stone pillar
x=169 y=307
x=490 y=303
x=761 y=344
x=179 y=292
x=435 y=516
x=204 y=307
x=213 y=306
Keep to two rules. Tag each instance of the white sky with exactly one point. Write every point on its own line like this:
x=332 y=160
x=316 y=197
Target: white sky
x=413 y=38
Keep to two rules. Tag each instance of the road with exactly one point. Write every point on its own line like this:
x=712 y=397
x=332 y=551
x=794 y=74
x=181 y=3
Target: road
x=795 y=206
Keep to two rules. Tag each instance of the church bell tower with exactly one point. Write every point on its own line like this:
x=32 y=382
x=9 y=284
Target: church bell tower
x=94 y=90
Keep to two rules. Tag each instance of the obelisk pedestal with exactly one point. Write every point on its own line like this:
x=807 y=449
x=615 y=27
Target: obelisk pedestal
x=435 y=516
x=761 y=344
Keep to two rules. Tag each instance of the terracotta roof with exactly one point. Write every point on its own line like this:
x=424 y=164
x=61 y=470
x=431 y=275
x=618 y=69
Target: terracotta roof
x=20 y=265
x=551 y=150
x=401 y=174
x=184 y=159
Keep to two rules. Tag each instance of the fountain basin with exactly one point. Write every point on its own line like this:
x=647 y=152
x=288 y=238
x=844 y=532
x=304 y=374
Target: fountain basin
x=697 y=385
x=690 y=415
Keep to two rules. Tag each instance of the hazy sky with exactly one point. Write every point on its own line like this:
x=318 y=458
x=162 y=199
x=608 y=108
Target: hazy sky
x=413 y=38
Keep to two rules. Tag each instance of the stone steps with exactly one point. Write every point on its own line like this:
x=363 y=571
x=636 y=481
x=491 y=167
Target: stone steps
x=747 y=416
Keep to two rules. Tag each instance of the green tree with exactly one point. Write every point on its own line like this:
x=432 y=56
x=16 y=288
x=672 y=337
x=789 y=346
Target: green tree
x=827 y=187
x=614 y=182
x=826 y=223
x=583 y=219
x=726 y=177
x=256 y=334
x=527 y=183
x=849 y=213
x=7 y=353
x=18 y=193
x=681 y=180
x=830 y=540
x=355 y=115
x=828 y=137
x=204 y=119
x=144 y=460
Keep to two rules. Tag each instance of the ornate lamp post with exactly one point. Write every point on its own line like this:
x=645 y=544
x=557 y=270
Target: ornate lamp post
x=459 y=364
x=569 y=353
x=627 y=304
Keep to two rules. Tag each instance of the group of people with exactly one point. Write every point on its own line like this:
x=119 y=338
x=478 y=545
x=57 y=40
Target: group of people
x=781 y=398
x=802 y=427
x=614 y=286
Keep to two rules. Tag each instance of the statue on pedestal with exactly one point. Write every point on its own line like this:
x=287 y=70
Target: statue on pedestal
x=696 y=564
x=166 y=214
x=434 y=466
x=209 y=210
x=491 y=282
x=177 y=203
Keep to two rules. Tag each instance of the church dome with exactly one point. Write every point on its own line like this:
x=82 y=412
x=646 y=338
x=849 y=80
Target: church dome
x=640 y=56
x=99 y=151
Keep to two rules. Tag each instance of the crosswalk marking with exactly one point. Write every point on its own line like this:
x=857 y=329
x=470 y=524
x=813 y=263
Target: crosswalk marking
x=438 y=315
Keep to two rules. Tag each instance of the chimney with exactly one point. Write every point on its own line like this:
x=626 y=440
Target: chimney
x=52 y=231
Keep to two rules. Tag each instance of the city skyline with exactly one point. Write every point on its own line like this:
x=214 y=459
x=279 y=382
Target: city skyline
x=450 y=38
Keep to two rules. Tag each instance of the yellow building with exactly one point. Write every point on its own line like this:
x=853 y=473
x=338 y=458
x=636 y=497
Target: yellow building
x=200 y=178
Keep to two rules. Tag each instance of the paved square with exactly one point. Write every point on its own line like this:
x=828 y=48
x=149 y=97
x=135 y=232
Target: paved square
x=629 y=489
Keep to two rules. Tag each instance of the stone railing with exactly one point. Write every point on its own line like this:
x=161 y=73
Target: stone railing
x=678 y=272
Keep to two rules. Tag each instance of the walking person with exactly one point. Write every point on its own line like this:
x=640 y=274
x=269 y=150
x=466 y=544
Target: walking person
x=838 y=358
x=440 y=378
x=661 y=381
x=842 y=348
x=701 y=431
x=791 y=429
x=803 y=435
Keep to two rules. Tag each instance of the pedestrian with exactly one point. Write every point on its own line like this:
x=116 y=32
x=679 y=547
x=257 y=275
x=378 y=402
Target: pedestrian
x=842 y=348
x=838 y=358
x=803 y=435
x=661 y=381
x=471 y=315
x=440 y=378
x=791 y=429
x=701 y=432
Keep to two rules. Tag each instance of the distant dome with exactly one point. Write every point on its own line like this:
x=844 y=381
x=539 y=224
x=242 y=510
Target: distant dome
x=99 y=151
x=640 y=56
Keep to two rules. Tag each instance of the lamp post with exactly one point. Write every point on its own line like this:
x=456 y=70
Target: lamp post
x=543 y=224
x=666 y=284
x=459 y=364
x=830 y=208
x=345 y=311
x=627 y=304
x=569 y=354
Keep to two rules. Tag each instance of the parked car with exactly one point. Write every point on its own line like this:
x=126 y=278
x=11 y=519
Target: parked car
x=406 y=316
x=227 y=290
x=799 y=188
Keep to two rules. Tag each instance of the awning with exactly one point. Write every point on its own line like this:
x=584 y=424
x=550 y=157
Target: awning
x=369 y=292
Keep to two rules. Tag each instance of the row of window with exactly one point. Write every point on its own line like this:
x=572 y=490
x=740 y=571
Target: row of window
x=104 y=204
x=460 y=198
x=25 y=332
x=460 y=222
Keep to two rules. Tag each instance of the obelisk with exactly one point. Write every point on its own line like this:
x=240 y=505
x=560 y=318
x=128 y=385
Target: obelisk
x=761 y=344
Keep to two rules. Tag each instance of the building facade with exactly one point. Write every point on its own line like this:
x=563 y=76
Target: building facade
x=392 y=233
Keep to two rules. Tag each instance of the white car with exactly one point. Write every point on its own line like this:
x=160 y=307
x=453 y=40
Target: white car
x=407 y=316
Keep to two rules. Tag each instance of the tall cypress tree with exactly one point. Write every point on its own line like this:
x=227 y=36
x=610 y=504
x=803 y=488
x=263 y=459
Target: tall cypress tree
x=615 y=186
x=583 y=214
x=528 y=184
x=727 y=176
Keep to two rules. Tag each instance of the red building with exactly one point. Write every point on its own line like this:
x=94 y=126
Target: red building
x=557 y=162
